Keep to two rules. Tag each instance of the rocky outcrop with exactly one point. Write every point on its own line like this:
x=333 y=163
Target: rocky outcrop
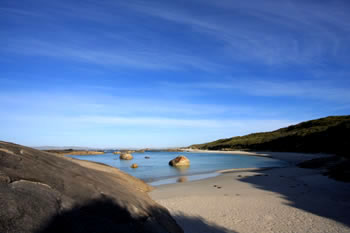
x=128 y=151
x=76 y=152
x=180 y=161
x=44 y=192
x=126 y=156
x=134 y=165
x=117 y=152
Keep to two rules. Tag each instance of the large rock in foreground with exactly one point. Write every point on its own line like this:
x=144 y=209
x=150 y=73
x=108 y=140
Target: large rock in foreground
x=126 y=156
x=43 y=192
x=180 y=161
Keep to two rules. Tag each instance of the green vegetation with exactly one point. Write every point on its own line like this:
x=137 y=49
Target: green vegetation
x=327 y=135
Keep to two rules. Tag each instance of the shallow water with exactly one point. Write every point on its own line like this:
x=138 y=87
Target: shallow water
x=156 y=170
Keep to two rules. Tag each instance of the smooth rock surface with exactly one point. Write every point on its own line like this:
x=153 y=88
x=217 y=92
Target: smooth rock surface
x=179 y=161
x=44 y=192
x=126 y=156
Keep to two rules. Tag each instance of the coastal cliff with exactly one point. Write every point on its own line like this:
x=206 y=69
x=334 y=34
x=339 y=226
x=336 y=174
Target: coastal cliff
x=45 y=192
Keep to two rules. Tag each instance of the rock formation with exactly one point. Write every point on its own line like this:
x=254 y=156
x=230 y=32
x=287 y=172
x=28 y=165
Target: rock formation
x=126 y=156
x=134 y=165
x=44 y=192
x=179 y=161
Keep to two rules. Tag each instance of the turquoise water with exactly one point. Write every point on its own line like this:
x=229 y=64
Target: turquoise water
x=157 y=171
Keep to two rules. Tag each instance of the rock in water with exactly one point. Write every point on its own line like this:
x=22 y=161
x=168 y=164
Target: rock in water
x=134 y=165
x=179 y=161
x=147 y=157
x=181 y=179
x=126 y=156
x=43 y=192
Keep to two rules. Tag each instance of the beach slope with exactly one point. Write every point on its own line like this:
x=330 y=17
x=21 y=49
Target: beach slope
x=288 y=199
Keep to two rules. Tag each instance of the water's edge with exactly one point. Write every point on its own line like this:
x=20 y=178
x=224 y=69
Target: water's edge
x=200 y=175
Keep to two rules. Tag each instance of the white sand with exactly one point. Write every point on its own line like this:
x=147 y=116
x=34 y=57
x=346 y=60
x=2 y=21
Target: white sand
x=277 y=200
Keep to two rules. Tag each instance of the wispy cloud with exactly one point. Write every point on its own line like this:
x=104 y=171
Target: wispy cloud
x=304 y=89
x=271 y=32
x=200 y=68
x=79 y=103
x=237 y=125
x=117 y=57
x=125 y=131
x=130 y=47
x=102 y=109
x=20 y=12
x=110 y=121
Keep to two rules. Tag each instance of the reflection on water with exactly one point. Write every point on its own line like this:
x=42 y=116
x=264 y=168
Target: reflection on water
x=182 y=169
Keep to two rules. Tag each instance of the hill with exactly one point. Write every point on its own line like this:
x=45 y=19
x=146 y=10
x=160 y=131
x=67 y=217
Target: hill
x=44 y=192
x=327 y=135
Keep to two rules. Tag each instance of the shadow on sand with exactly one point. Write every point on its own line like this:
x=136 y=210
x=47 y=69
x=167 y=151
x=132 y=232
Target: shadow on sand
x=192 y=224
x=311 y=192
x=105 y=216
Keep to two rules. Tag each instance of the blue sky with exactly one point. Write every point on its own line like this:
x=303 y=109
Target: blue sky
x=168 y=73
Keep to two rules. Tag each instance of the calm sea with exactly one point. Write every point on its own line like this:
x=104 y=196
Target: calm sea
x=156 y=170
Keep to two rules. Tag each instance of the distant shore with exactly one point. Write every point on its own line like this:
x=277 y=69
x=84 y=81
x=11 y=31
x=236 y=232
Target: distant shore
x=75 y=152
x=291 y=157
x=288 y=199
x=223 y=152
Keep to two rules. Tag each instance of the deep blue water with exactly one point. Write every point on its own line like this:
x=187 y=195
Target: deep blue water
x=156 y=168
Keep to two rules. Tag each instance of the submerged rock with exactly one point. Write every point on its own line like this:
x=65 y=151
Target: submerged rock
x=126 y=156
x=179 y=161
x=181 y=179
x=147 y=157
x=134 y=165
x=44 y=192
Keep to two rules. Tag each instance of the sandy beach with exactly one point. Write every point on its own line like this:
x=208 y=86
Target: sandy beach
x=288 y=199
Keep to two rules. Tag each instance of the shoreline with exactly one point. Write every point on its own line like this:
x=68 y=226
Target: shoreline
x=223 y=152
x=291 y=157
x=202 y=176
x=284 y=199
x=288 y=157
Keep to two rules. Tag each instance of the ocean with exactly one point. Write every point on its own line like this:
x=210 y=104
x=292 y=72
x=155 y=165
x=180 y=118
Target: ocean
x=156 y=170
